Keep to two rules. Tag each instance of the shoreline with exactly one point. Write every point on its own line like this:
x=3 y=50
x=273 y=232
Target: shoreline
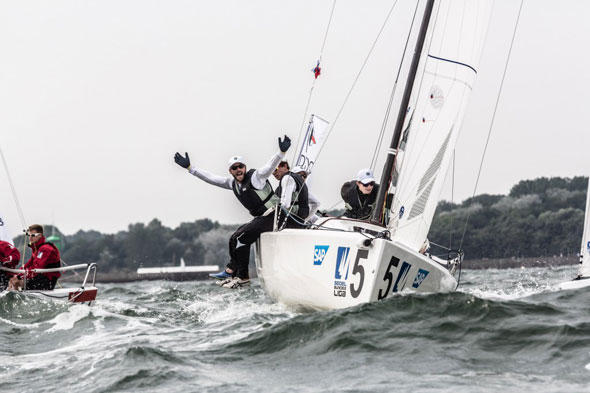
x=471 y=264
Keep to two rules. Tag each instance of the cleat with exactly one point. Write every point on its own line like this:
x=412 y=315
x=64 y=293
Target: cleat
x=236 y=283
x=222 y=275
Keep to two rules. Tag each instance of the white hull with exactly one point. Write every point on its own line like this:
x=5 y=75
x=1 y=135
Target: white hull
x=575 y=284
x=330 y=269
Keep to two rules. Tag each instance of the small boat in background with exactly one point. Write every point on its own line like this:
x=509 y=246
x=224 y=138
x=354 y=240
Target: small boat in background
x=583 y=278
x=176 y=273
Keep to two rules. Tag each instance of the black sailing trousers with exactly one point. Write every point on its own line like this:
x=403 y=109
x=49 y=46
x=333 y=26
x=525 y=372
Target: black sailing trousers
x=240 y=241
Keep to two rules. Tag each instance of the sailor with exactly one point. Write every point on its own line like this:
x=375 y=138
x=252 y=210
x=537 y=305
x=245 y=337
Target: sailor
x=360 y=195
x=294 y=196
x=314 y=203
x=9 y=257
x=255 y=193
x=45 y=255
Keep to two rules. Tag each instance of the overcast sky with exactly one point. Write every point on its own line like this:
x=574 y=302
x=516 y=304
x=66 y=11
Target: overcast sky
x=96 y=96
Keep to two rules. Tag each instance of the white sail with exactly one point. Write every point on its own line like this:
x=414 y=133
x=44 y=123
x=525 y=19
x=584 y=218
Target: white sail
x=448 y=67
x=315 y=137
x=585 y=249
x=5 y=233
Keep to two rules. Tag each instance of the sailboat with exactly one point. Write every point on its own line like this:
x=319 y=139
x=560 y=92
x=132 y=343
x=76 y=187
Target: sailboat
x=344 y=262
x=583 y=278
x=176 y=273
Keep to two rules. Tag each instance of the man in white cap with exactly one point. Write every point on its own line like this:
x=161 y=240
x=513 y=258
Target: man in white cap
x=360 y=195
x=293 y=194
x=255 y=193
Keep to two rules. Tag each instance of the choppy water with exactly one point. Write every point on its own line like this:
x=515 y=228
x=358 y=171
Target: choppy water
x=505 y=330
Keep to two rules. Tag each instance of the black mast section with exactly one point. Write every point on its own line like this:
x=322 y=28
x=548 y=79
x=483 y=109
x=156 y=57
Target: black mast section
x=378 y=216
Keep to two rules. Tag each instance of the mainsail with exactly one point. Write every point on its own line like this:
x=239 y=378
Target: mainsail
x=5 y=234
x=315 y=137
x=447 y=72
x=584 y=270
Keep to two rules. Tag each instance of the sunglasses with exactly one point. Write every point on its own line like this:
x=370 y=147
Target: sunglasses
x=236 y=166
x=371 y=184
x=34 y=234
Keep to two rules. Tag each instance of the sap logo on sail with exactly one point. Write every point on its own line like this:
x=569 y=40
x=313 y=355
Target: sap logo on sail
x=419 y=277
x=319 y=253
x=341 y=271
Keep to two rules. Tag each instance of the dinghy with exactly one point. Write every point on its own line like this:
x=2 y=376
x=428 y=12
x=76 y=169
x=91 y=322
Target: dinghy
x=85 y=293
x=583 y=278
x=344 y=262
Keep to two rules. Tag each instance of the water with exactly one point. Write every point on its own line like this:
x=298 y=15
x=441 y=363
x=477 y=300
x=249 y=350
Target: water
x=505 y=330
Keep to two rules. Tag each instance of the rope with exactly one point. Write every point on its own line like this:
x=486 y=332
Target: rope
x=313 y=82
x=393 y=91
x=493 y=120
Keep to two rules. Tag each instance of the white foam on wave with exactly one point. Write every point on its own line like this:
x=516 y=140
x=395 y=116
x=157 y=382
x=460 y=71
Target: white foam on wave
x=67 y=319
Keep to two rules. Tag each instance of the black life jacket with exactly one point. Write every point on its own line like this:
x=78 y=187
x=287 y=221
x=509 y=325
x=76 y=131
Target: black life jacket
x=256 y=201
x=358 y=205
x=299 y=199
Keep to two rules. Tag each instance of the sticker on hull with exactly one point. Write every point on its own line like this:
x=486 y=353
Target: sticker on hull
x=319 y=253
x=341 y=271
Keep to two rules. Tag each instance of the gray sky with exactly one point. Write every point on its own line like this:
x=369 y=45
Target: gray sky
x=96 y=96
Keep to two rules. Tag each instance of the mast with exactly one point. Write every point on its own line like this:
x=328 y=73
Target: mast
x=386 y=177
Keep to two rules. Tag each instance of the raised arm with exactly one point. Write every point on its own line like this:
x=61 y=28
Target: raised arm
x=260 y=176
x=211 y=178
x=216 y=180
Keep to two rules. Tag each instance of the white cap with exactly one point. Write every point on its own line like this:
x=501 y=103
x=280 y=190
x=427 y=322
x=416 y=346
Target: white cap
x=365 y=176
x=298 y=169
x=234 y=159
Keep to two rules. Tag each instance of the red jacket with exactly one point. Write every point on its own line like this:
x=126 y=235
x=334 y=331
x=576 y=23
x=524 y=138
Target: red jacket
x=9 y=256
x=45 y=256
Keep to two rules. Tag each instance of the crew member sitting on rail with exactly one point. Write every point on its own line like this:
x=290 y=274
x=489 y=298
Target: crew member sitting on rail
x=253 y=190
x=360 y=195
x=294 y=196
x=314 y=203
x=45 y=256
x=9 y=257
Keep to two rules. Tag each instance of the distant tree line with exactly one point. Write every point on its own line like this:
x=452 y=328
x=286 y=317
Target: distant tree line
x=202 y=242
x=541 y=217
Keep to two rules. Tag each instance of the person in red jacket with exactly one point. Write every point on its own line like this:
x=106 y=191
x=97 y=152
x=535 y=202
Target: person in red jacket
x=9 y=257
x=45 y=256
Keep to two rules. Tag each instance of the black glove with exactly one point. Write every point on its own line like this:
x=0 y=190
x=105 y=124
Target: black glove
x=184 y=162
x=285 y=144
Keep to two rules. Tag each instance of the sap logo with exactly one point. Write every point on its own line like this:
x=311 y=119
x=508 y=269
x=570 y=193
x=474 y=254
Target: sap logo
x=401 y=212
x=342 y=263
x=419 y=277
x=319 y=253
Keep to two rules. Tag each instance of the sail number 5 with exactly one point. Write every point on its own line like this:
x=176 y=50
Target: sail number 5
x=357 y=268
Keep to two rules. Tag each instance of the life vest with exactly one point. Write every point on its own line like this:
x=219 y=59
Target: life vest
x=358 y=205
x=299 y=198
x=51 y=264
x=256 y=201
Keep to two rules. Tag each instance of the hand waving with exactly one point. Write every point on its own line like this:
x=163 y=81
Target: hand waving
x=184 y=162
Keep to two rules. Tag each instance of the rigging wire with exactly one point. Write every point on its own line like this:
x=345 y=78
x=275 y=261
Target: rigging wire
x=349 y=93
x=357 y=77
x=313 y=82
x=19 y=210
x=393 y=91
x=493 y=120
